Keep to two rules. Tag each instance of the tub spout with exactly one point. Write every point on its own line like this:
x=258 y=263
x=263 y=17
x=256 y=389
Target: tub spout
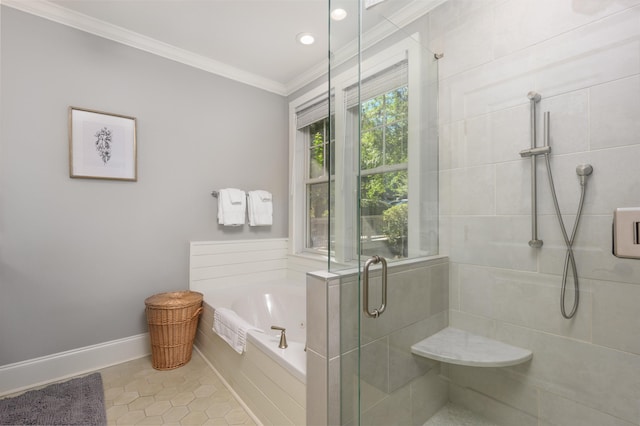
x=283 y=336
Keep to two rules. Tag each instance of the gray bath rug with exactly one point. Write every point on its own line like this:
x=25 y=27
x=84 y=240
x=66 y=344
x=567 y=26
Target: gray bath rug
x=78 y=401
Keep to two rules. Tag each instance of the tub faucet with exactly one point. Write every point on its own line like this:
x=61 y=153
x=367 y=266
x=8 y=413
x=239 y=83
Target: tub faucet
x=283 y=336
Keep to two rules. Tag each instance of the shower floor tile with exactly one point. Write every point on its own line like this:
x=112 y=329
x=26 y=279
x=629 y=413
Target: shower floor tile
x=454 y=415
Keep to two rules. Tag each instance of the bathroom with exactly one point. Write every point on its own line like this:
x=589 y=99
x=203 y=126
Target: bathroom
x=80 y=256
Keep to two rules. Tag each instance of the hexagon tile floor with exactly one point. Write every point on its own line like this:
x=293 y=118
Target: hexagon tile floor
x=136 y=394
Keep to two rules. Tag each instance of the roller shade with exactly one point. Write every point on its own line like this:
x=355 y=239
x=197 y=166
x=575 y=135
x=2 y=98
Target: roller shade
x=311 y=112
x=385 y=81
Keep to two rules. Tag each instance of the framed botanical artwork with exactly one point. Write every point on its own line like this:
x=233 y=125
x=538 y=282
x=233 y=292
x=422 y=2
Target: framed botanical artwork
x=102 y=145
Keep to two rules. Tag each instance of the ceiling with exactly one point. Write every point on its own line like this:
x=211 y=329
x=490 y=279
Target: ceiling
x=249 y=40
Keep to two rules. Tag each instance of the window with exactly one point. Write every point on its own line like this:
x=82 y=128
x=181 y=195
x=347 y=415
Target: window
x=383 y=172
x=321 y=151
x=383 y=119
x=387 y=116
x=318 y=145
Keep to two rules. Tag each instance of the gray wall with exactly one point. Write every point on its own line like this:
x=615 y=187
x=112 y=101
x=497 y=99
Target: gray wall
x=77 y=256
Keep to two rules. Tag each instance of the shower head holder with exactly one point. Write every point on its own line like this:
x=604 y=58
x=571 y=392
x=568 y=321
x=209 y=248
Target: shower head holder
x=584 y=170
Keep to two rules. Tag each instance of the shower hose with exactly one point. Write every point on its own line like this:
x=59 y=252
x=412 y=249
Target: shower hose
x=569 y=258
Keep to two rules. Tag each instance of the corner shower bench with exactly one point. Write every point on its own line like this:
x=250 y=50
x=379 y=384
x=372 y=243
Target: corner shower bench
x=455 y=346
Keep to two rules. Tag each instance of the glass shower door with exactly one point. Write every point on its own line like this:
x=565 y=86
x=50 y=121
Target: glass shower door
x=383 y=194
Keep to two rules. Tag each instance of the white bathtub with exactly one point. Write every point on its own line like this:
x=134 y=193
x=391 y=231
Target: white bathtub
x=262 y=305
x=271 y=381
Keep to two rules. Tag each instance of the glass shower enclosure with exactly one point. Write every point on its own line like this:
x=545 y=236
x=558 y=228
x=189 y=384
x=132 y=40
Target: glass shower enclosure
x=381 y=206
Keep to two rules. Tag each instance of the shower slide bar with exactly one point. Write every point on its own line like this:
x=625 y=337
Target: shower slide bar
x=533 y=152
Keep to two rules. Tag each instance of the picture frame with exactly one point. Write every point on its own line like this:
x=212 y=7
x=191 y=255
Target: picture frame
x=102 y=145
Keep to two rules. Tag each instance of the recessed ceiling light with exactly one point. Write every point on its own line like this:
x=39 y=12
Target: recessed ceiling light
x=338 y=14
x=305 y=38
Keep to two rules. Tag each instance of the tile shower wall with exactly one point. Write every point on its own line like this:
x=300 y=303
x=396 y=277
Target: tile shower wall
x=583 y=57
x=397 y=387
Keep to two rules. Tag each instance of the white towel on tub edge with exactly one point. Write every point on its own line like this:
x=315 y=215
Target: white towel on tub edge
x=231 y=328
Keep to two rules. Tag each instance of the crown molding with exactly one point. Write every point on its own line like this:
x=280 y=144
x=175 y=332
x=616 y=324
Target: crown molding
x=312 y=74
x=70 y=18
x=413 y=11
x=61 y=15
x=397 y=21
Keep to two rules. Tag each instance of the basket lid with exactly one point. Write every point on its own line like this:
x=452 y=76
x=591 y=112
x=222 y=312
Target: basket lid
x=174 y=299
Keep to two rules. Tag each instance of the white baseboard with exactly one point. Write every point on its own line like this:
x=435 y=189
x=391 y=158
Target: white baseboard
x=38 y=371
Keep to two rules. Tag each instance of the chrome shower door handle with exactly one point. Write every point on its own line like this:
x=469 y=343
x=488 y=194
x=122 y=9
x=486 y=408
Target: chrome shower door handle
x=365 y=287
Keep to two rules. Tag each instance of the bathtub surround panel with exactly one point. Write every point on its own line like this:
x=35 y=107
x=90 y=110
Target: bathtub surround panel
x=271 y=393
x=80 y=256
x=221 y=264
x=583 y=57
x=394 y=382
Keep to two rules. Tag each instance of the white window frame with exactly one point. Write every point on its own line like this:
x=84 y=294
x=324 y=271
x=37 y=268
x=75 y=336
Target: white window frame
x=326 y=177
x=345 y=201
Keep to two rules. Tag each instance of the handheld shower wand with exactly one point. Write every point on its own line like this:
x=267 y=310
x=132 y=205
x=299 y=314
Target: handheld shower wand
x=583 y=171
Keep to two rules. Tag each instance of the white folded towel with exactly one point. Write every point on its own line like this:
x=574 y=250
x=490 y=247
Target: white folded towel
x=231 y=328
x=232 y=207
x=235 y=195
x=264 y=195
x=260 y=208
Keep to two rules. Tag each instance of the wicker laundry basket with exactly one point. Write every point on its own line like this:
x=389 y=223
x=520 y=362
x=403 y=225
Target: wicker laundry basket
x=172 y=319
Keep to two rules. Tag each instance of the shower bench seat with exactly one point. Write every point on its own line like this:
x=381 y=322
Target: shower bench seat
x=455 y=346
